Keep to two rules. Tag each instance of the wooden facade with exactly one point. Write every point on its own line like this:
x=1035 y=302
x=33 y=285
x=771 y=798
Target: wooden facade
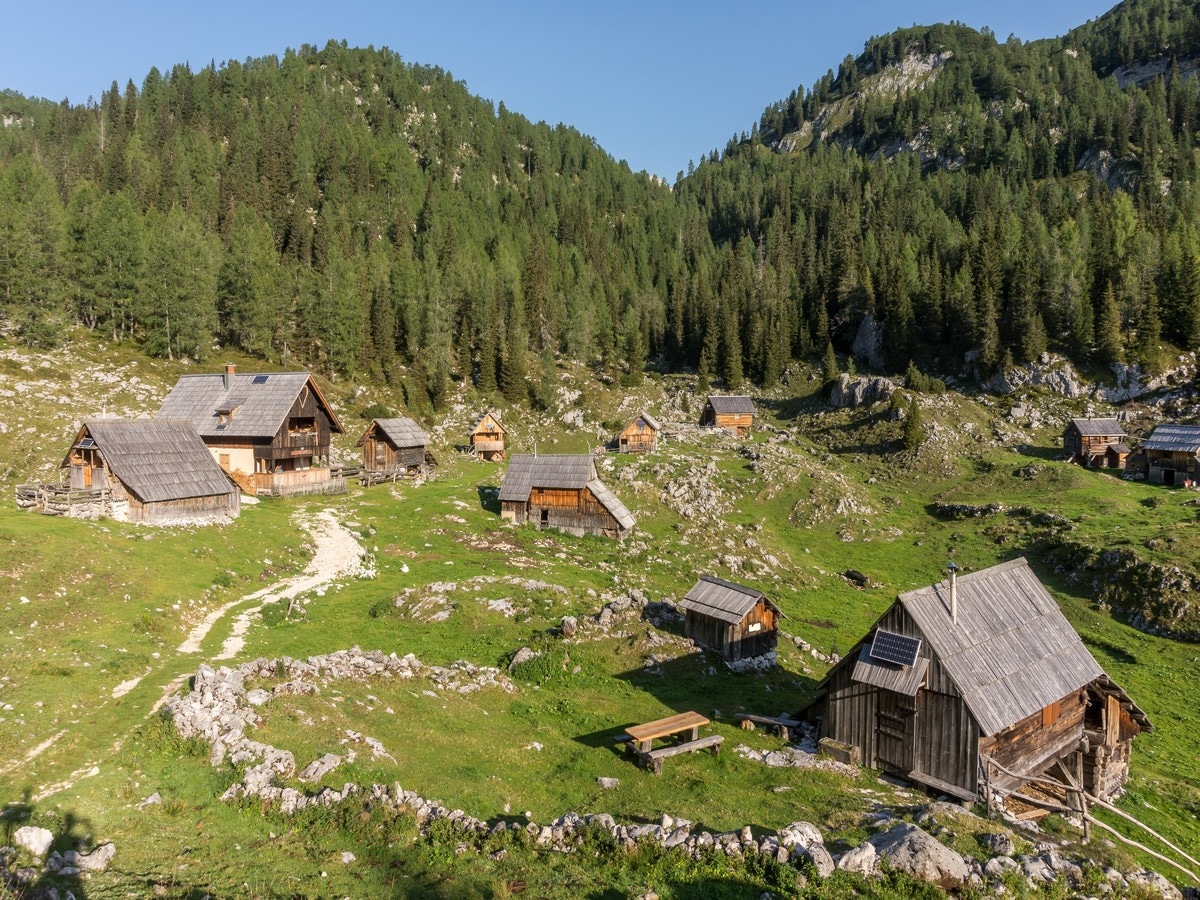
x=271 y=432
x=154 y=472
x=564 y=493
x=1172 y=454
x=640 y=435
x=394 y=446
x=734 y=414
x=999 y=679
x=737 y=622
x=487 y=438
x=1086 y=441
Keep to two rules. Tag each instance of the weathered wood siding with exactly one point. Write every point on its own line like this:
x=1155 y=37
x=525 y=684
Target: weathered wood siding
x=303 y=439
x=379 y=455
x=1170 y=466
x=573 y=511
x=638 y=437
x=1031 y=745
x=193 y=509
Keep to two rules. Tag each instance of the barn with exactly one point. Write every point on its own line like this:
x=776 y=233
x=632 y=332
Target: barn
x=734 y=414
x=738 y=622
x=150 y=471
x=394 y=446
x=975 y=683
x=487 y=438
x=270 y=432
x=1086 y=441
x=562 y=492
x=640 y=435
x=1172 y=454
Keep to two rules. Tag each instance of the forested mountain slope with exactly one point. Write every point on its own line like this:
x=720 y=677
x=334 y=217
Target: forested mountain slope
x=972 y=202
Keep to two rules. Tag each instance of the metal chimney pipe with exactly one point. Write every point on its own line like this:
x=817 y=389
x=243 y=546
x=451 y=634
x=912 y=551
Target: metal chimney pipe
x=953 y=570
x=228 y=379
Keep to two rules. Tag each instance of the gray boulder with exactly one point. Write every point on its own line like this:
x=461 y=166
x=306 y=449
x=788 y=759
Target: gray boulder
x=908 y=848
x=861 y=391
x=861 y=860
x=34 y=839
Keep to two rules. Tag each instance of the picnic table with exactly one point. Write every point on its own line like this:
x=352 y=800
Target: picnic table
x=642 y=738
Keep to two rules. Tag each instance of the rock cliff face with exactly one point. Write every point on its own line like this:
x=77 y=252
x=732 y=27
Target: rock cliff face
x=861 y=391
x=1058 y=375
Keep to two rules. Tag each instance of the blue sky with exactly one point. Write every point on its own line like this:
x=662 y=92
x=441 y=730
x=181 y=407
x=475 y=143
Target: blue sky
x=655 y=83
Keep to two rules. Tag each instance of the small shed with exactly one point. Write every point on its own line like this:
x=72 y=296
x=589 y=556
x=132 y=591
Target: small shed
x=734 y=414
x=738 y=622
x=151 y=471
x=963 y=682
x=394 y=446
x=1116 y=455
x=1086 y=441
x=562 y=492
x=487 y=437
x=640 y=435
x=1173 y=454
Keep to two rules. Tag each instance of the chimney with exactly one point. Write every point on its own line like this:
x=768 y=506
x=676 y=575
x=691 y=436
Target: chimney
x=953 y=570
x=228 y=378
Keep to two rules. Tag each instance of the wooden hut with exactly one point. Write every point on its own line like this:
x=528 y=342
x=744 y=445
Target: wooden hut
x=151 y=471
x=270 y=432
x=738 y=622
x=1086 y=441
x=1172 y=454
x=1116 y=455
x=960 y=682
x=734 y=414
x=394 y=446
x=640 y=435
x=487 y=438
x=562 y=492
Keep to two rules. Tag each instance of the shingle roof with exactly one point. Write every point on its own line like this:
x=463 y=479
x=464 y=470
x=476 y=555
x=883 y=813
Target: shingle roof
x=1180 y=438
x=609 y=501
x=402 y=431
x=1011 y=652
x=527 y=471
x=260 y=403
x=495 y=419
x=157 y=459
x=1098 y=427
x=720 y=599
x=905 y=680
x=731 y=405
x=648 y=419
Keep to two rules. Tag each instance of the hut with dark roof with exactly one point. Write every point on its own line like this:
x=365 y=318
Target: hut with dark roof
x=487 y=438
x=151 y=471
x=1171 y=455
x=640 y=435
x=975 y=684
x=1086 y=441
x=562 y=492
x=738 y=622
x=734 y=414
x=270 y=432
x=394 y=446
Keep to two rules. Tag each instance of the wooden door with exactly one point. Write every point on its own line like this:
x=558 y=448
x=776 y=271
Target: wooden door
x=895 y=732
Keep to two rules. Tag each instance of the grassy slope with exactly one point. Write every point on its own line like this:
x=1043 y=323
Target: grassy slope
x=113 y=602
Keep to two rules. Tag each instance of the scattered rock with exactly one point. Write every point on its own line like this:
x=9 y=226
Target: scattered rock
x=34 y=839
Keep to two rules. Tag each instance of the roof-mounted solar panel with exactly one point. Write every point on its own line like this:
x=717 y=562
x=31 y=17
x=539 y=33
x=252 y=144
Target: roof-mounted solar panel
x=895 y=648
x=260 y=379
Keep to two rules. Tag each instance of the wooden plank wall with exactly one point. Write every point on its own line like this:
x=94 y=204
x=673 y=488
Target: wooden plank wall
x=1032 y=744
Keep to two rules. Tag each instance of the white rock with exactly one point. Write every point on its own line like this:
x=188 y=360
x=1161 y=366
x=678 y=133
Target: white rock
x=36 y=840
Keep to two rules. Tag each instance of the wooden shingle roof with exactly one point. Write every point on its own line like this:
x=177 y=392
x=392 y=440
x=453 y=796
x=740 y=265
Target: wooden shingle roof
x=723 y=405
x=609 y=501
x=1011 y=652
x=648 y=419
x=562 y=471
x=259 y=403
x=1178 y=438
x=495 y=421
x=1098 y=427
x=156 y=459
x=717 y=598
x=402 y=431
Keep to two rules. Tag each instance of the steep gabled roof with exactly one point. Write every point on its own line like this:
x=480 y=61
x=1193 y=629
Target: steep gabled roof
x=156 y=459
x=259 y=403
x=1179 y=438
x=495 y=420
x=717 y=598
x=1098 y=427
x=731 y=405
x=527 y=471
x=609 y=501
x=1011 y=652
x=648 y=419
x=402 y=432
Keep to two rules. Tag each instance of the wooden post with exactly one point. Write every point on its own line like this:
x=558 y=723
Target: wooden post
x=1087 y=824
x=987 y=786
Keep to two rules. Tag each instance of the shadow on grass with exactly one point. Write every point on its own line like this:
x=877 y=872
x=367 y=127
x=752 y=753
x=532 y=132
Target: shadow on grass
x=489 y=498
x=71 y=832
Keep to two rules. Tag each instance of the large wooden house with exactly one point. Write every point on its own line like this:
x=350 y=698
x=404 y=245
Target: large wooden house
x=151 y=471
x=736 y=621
x=394 y=446
x=971 y=684
x=1086 y=441
x=1171 y=455
x=734 y=414
x=270 y=432
x=562 y=492
x=640 y=435
x=487 y=438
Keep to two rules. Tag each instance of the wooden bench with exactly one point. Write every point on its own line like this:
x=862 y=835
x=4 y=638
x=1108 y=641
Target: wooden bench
x=787 y=726
x=653 y=759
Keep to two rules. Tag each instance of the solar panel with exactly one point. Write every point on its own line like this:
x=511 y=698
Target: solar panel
x=260 y=379
x=895 y=648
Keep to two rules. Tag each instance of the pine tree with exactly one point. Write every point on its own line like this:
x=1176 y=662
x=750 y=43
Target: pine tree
x=1108 y=328
x=914 y=428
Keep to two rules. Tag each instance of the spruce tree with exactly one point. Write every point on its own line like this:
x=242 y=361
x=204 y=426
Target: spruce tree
x=914 y=428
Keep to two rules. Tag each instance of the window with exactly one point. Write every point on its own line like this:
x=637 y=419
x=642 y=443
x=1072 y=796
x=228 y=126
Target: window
x=755 y=626
x=1051 y=713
